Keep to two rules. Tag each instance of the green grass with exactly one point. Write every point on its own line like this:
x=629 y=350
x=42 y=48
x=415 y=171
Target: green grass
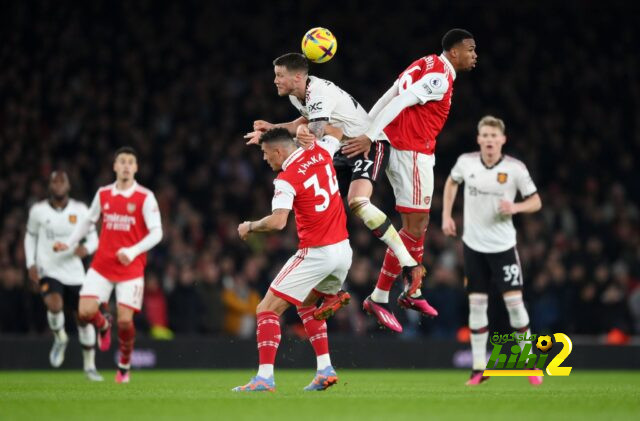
x=361 y=395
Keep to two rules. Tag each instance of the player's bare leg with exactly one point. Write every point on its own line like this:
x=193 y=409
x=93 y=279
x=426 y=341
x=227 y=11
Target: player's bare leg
x=89 y=312
x=268 y=338
x=126 y=338
x=55 y=317
x=87 y=337
x=316 y=330
x=519 y=320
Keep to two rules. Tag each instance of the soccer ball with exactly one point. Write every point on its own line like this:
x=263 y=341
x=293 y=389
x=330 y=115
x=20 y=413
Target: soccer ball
x=319 y=45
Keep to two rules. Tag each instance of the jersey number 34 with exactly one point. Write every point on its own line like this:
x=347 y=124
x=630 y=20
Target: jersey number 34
x=319 y=191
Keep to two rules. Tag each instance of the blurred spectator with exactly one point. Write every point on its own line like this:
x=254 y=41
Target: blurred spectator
x=240 y=301
x=185 y=307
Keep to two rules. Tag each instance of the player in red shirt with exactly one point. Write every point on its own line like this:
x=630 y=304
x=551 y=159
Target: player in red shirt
x=307 y=184
x=411 y=114
x=130 y=227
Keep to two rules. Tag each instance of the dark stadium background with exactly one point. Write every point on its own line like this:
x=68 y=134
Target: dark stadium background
x=183 y=81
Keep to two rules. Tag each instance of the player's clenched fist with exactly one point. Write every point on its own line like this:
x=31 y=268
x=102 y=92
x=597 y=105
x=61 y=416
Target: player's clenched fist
x=304 y=136
x=449 y=226
x=58 y=246
x=244 y=229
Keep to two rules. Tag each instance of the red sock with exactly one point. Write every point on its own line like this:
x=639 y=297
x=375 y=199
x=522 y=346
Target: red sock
x=268 y=336
x=126 y=335
x=98 y=320
x=391 y=267
x=316 y=330
x=415 y=246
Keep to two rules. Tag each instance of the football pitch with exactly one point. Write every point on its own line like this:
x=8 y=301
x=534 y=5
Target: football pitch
x=359 y=395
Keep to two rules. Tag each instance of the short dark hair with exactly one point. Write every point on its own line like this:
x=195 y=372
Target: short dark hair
x=293 y=61
x=278 y=134
x=454 y=36
x=125 y=149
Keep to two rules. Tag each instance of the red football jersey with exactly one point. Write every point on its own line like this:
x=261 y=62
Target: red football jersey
x=416 y=127
x=123 y=225
x=309 y=180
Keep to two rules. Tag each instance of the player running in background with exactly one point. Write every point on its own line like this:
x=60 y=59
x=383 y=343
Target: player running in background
x=411 y=114
x=492 y=180
x=328 y=109
x=130 y=227
x=60 y=275
x=307 y=184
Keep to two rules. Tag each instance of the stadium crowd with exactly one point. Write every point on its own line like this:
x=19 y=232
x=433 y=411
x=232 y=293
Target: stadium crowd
x=182 y=82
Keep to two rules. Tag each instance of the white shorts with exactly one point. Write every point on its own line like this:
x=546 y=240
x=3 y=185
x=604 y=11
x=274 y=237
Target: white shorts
x=128 y=293
x=411 y=176
x=319 y=269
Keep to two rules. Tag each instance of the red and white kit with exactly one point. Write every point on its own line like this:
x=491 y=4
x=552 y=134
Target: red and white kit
x=413 y=132
x=308 y=185
x=127 y=218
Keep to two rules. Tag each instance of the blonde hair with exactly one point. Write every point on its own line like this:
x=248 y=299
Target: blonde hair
x=491 y=121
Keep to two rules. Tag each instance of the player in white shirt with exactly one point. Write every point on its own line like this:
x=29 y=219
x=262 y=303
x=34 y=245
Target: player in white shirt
x=492 y=181
x=327 y=109
x=60 y=275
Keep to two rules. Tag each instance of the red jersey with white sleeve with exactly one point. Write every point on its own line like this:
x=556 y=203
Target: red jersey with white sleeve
x=431 y=79
x=127 y=217
x=308 y=185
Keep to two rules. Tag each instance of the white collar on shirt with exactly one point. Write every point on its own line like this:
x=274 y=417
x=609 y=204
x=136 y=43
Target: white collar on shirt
x=126 y=193
x=294 y=155
x=448 y=64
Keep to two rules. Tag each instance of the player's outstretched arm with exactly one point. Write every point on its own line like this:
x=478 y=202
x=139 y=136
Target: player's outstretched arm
x=274 y=222
x=449 y=197
x=362 y=143
x=383 y=101
x=261 y=126
x=531 y=204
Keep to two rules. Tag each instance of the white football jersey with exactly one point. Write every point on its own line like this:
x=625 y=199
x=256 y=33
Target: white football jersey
x=47 y=225
x=326 y=101
x=486 y=230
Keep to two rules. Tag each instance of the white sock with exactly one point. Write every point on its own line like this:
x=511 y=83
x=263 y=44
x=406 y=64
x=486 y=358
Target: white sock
x=56 y=324
x=124 y=366
x=478 y=319
x=87 y=338
x=417 y=294
x=89 y=358
x=324 y=361
x=392 y=239
x=374 y=219
x=265 y=370
x=380 y=296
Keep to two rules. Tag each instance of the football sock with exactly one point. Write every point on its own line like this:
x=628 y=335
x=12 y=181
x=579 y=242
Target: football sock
x=518 y=316
x=479 y=326
x=99 y=321
x=87 y=337
x=268 y=338
x=126 y=337
x=323 y=361
x=391 y=267
x=381 y=226
x=56 y=324
x=416 y=248
x=317 y=334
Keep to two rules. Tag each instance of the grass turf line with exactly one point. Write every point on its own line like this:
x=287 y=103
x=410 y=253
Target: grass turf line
x=360 y=394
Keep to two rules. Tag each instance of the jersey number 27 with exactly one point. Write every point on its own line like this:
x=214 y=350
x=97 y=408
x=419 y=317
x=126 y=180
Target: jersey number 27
x=319 y=191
